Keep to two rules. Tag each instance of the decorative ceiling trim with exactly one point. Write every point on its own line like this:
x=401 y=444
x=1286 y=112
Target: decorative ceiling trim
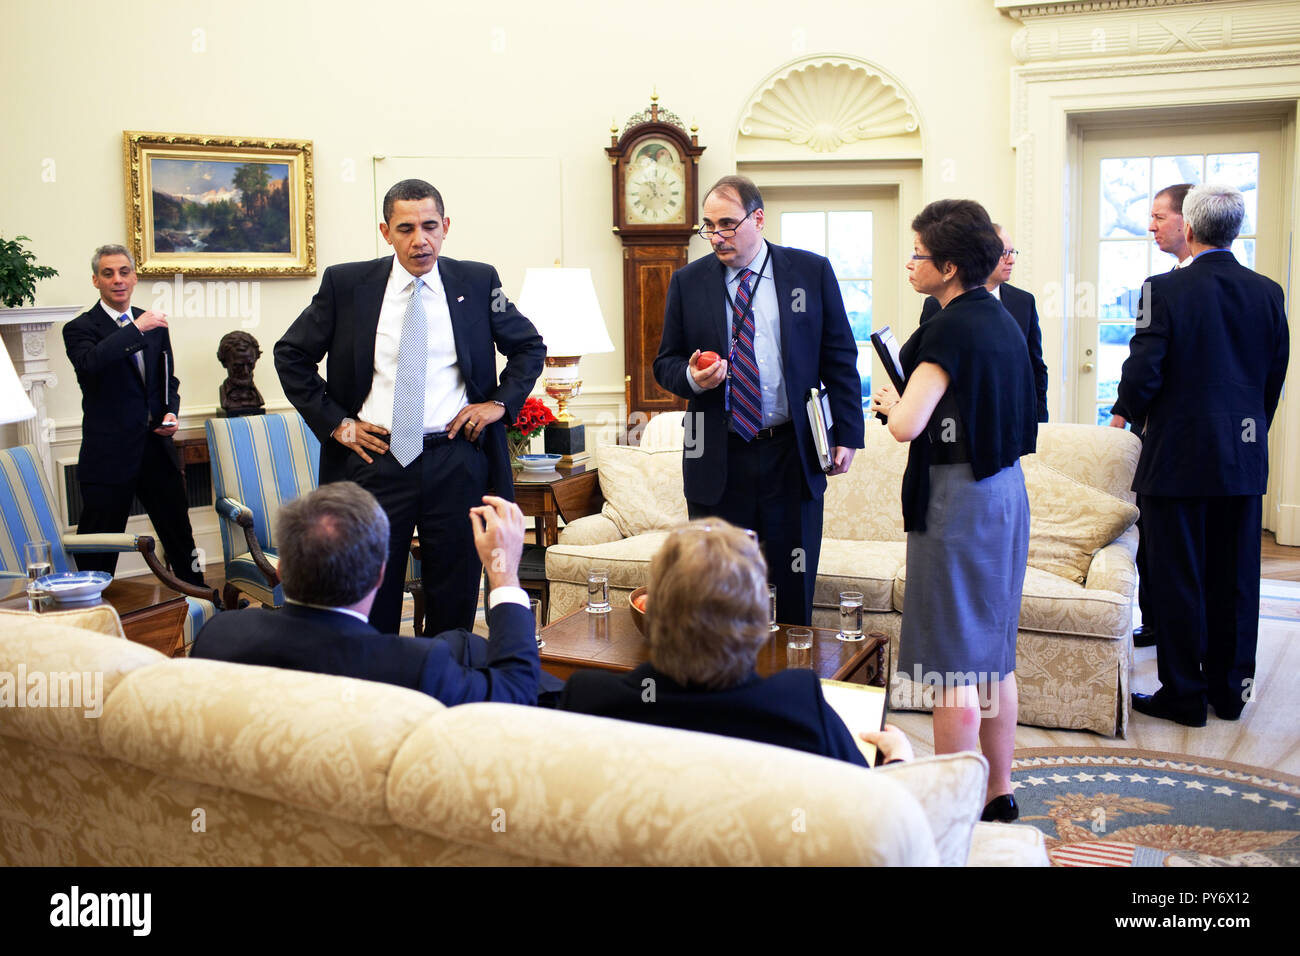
x=1163 y=32
x=827 y=102
x=1047 y=72
x=1030 y=9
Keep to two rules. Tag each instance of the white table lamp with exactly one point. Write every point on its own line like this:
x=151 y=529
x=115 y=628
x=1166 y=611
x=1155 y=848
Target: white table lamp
x=562 y=304
x=15 y=406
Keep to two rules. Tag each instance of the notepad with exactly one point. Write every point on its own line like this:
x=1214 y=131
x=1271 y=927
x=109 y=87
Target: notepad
x=861 y=707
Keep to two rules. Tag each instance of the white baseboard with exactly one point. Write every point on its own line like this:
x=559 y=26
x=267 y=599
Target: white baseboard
x=1288 y=525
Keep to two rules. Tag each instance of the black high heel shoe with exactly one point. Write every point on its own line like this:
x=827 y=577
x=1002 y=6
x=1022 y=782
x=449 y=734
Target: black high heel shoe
x=1001 y=809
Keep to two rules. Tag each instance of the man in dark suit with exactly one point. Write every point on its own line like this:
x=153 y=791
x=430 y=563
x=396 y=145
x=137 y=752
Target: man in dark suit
x=1204 y=372
x=129 y=401
x=334 y=547
x=707 y=617
x=440 y=407
x=777 y=318
x=1167 y=229
x=1023 y=309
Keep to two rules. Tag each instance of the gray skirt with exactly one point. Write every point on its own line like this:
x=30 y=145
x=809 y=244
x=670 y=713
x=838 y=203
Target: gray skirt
x=965 y=575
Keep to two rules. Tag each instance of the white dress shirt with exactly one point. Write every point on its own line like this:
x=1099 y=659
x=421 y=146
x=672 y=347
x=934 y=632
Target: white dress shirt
x=444 y=386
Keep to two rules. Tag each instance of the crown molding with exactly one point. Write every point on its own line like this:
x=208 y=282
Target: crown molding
x=1167 y=29
x=1031 y=9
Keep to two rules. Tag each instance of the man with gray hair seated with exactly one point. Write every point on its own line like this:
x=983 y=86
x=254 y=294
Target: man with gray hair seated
x=1204 y=372
x=708 y=619
x=334 y=543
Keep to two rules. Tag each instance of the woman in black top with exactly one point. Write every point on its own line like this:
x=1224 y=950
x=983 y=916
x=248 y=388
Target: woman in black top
x=969 y=410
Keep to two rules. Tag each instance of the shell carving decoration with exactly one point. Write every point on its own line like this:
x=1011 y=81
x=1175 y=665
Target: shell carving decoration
x=826 y=105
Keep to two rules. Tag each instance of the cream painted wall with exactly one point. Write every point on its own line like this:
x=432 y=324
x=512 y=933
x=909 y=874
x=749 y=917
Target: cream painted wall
x=510 y=79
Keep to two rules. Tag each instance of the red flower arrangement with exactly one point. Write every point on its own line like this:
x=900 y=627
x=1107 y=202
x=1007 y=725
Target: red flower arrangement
x=532 y=416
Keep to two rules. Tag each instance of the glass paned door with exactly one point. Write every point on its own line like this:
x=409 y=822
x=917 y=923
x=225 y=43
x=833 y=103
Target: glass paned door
x=1123 y=171
x=856 y=235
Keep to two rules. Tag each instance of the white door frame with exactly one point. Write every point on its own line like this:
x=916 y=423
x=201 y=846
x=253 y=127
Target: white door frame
x=1046 y=102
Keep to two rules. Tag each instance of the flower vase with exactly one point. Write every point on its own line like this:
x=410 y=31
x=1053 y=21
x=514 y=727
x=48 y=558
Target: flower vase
x=518 y=446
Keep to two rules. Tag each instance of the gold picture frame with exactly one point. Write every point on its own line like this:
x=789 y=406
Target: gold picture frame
x=219 y=205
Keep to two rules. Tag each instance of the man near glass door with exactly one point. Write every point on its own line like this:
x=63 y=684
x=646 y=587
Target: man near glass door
x=1204 y=373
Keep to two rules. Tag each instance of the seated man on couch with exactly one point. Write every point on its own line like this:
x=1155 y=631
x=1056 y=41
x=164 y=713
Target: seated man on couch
x=708 y=618
x=334 y=546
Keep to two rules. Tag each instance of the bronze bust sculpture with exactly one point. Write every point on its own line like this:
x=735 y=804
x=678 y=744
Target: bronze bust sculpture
x=238 y=352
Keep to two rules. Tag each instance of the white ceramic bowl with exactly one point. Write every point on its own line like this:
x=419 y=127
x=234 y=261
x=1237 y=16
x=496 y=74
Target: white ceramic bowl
x=75 y=587
x=546 y=462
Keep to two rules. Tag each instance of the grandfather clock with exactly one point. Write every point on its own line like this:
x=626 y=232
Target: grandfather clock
x=656 y=170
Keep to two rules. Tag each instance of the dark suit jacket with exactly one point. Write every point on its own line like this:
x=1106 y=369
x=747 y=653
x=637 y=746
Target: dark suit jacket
x=452 y=667
x=341 y=321
x=119 y=412
x=1024 y=310
x=786 y=709
x=1204 y=372
x=817 y=348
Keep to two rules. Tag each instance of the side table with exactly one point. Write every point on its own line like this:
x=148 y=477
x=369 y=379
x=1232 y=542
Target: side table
x=568 y=492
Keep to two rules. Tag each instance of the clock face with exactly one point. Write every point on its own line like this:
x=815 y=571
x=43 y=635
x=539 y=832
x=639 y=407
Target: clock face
x=654 y=184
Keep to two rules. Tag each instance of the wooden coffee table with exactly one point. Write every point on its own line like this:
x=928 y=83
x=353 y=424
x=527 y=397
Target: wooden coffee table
x=612 y=642
x=151 y=614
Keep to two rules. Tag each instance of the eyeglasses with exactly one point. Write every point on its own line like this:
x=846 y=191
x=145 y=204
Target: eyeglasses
x=726 y=233
x=918 y=258
x=1008 y=253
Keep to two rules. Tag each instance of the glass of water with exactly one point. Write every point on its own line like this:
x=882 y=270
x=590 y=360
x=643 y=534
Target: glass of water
x=36 y=559
x=598 y=591
x=535 y=605
x=771 y=609
x=798 y=647
x=850 y=616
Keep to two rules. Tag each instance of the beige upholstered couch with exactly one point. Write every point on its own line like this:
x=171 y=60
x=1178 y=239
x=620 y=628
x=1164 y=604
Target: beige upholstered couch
x=203 y=762
x=1074 y=648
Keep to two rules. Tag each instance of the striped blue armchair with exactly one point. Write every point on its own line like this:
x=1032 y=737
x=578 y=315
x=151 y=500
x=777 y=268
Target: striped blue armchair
x=27 y=513
x=258 y=464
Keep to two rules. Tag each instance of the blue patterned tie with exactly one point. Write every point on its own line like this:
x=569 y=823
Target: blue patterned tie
x=407 y=439
x=746 y=399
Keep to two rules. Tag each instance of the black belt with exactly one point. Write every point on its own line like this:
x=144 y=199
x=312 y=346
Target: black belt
x=775 y=431
x=432 y=438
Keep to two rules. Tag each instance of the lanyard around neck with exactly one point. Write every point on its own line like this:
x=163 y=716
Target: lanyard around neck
x=749 y=307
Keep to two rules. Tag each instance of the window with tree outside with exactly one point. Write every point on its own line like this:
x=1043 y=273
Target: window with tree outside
x=1127 y=255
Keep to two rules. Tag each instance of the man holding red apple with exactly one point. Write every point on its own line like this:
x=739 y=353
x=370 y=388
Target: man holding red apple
x=747 y=333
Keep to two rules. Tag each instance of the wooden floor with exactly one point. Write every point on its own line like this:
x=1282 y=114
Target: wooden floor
x=1278 y=561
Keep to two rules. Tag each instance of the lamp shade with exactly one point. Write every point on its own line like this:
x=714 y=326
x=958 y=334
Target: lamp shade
x=562 y=304
x=15 y=406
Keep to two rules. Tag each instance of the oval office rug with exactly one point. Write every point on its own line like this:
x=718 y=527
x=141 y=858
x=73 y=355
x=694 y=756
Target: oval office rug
x=1145 y=808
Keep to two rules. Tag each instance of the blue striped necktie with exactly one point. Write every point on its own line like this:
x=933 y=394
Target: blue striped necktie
x=746 y=398
x=407 y=439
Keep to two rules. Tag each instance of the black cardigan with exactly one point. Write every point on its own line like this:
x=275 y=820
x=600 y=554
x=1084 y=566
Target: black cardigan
x=977 y=342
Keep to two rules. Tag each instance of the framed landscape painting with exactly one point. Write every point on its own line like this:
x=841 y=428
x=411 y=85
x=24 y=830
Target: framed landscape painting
x=219 y=206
